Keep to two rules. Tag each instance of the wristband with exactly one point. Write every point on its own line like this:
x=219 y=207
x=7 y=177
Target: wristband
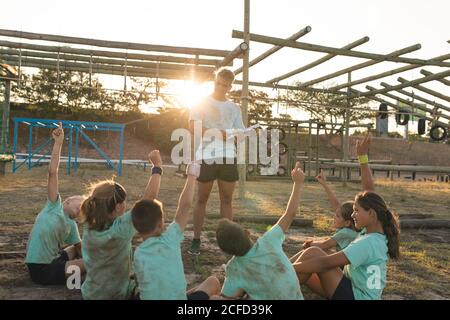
x=364 y=159
x=157 y=170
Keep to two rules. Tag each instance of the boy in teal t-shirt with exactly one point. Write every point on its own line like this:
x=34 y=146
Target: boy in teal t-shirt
x=54 y=228
x=261 y=270
x=158 y=265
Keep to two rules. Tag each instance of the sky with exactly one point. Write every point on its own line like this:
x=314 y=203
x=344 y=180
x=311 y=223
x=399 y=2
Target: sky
x=390 y=24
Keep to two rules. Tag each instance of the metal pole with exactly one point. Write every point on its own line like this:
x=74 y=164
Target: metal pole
x=119 y=169
x=16 y=129
x=30 y=146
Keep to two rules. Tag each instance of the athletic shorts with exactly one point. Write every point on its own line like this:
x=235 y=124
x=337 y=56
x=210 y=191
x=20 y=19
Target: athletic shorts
x=344 y=290
x=53 y=273
x=224 y=172
x=198 y=295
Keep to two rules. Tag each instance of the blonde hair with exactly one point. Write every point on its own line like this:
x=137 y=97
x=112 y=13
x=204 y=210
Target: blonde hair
x=100 y=203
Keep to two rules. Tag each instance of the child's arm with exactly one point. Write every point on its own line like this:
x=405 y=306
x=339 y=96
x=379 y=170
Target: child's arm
x=52 y=181
x=335 y=204
x=324 y=244
x=187 y=195
x=286 y=219
x=362 y=149
x=153 y=185
x=321 y=264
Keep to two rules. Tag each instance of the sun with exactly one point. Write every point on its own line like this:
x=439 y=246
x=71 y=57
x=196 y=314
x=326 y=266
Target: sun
x=190 y=92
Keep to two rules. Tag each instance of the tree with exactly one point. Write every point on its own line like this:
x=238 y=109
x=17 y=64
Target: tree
x=260 y=105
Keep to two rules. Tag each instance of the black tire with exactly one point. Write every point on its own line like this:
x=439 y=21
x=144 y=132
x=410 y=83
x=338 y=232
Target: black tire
x=402 y=117
x=421 y=126
x=283 y=148
x=281 y=171
x=434 y=133
x=383 y=108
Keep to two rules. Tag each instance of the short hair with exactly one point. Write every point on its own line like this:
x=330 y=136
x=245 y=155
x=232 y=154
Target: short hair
x=232 y=238
x=146 y=214
x=346 y=213
x=225 y=73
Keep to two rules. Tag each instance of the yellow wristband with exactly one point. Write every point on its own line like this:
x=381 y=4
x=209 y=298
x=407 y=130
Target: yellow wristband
x=364 y=159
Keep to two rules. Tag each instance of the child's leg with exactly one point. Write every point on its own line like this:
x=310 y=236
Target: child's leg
x=210 y=286
x=295 y=256
x=314 y=284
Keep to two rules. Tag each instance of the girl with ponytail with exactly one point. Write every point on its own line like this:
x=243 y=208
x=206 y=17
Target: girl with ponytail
x=365 y=259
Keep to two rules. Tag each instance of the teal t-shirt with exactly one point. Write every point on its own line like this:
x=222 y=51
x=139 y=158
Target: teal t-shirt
x=52 y=229
x=107 y=258
x=343 y=237
x=368 y=256
x=158 y=266
x=264 y=272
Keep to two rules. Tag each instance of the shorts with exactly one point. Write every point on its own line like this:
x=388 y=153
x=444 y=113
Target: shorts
x=53 y=273
x=224 y=172
x=198 y=295
x=344 y=290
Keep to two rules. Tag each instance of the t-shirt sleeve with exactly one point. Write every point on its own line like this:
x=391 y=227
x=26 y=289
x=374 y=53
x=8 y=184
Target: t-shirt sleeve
x=173 y=235
x=123 y=226
x=74 y=235
x=231 y=286
x=196 y=112
x=238 y=123
x=54 y=206
x=343 y=237
x=274 y=237
x=358 y=252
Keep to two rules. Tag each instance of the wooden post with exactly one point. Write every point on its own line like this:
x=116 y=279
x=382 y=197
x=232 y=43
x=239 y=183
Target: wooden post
x=309 y=146
x=5 y=117
x=345 y=140
x=244 y=96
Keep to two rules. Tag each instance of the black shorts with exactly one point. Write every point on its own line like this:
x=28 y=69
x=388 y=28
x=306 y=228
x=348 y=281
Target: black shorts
x=344 y=290
x=198 y=295
x=53 y=273
x=225 y=172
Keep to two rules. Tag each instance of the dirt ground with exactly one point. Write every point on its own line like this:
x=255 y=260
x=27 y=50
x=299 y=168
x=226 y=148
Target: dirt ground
x=421 y=273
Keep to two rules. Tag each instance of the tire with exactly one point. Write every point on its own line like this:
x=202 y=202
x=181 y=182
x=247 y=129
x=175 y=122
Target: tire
x=283 y=148
x=402 y=117
x=281 y=171
x=421 y=126
x=434 y=133
x=383 y=108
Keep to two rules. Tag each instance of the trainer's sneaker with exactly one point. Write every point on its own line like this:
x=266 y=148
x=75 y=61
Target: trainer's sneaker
x=195 y=247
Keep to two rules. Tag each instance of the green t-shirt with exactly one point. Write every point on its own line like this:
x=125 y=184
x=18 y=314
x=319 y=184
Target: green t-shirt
x=368 y=256
x=158 y=266
x=107 y=258
x=343 y=237
x=264 y=272
x=52 y=229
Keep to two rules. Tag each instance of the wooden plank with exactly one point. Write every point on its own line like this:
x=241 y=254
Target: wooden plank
x=236 y=53
x=424 y=224
x=266 y=219
x=428 y=73
x=425 y=89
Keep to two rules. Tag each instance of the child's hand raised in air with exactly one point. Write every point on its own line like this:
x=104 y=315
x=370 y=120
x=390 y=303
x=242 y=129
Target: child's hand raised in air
x=155 y=158
x=58 y=134
x=297 y=174
x=193 y=169
x=321 y=178
x=307 y=244
x=362 y=148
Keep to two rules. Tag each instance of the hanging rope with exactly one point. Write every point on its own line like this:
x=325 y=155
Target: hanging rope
x=125 y=72
x=157 y=80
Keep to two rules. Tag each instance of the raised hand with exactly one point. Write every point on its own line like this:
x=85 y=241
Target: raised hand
x=321 y=178
x=58 y=134
x=362 y=148
x=297 y=174
x=307 y=243
x=155 y=158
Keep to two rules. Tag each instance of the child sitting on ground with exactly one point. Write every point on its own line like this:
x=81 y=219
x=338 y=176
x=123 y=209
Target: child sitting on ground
x=55 y=227
x=158 y=265
x=261 y=270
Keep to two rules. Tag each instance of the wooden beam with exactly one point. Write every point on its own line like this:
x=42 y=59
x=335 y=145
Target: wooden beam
x=406 y=84
x=236 y=53
x=385 y=74
x=112 y=44
x=288 y=87
x=274 y=49
x=319 y=61
x=108 y=54
x=428 y=73
x=426 y=90
x=389 y=95
x=390 y=167
x=415 y=96
x=5 y=53
x=349 y=53
x=360 y=66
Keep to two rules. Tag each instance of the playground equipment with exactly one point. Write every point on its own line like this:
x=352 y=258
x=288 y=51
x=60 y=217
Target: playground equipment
x=75 y=128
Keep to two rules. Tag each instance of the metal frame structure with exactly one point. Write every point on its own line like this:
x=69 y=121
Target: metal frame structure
x=76 y=128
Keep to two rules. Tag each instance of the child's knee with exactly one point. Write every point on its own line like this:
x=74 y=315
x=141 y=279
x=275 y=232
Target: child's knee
x=213 y=285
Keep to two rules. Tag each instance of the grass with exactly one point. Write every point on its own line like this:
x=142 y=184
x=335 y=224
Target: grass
x=421 y=273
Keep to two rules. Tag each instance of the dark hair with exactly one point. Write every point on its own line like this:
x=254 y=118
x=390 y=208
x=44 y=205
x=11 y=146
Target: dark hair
x=346 y=213
x=225 y=73
x=232 y=238
x=146 y=214
x=98 y=206
x=391 y=227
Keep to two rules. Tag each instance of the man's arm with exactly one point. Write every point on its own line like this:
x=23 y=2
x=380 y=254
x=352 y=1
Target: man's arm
x=286 y=219
x=152 y=189
x=362 y=149
x=187 y=195
x=52 y=181
x=335 y=204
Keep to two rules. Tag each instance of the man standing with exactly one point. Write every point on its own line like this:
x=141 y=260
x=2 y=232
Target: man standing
x=218 y=157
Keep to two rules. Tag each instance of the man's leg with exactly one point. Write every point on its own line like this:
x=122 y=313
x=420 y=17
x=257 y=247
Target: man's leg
x=226 y=190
